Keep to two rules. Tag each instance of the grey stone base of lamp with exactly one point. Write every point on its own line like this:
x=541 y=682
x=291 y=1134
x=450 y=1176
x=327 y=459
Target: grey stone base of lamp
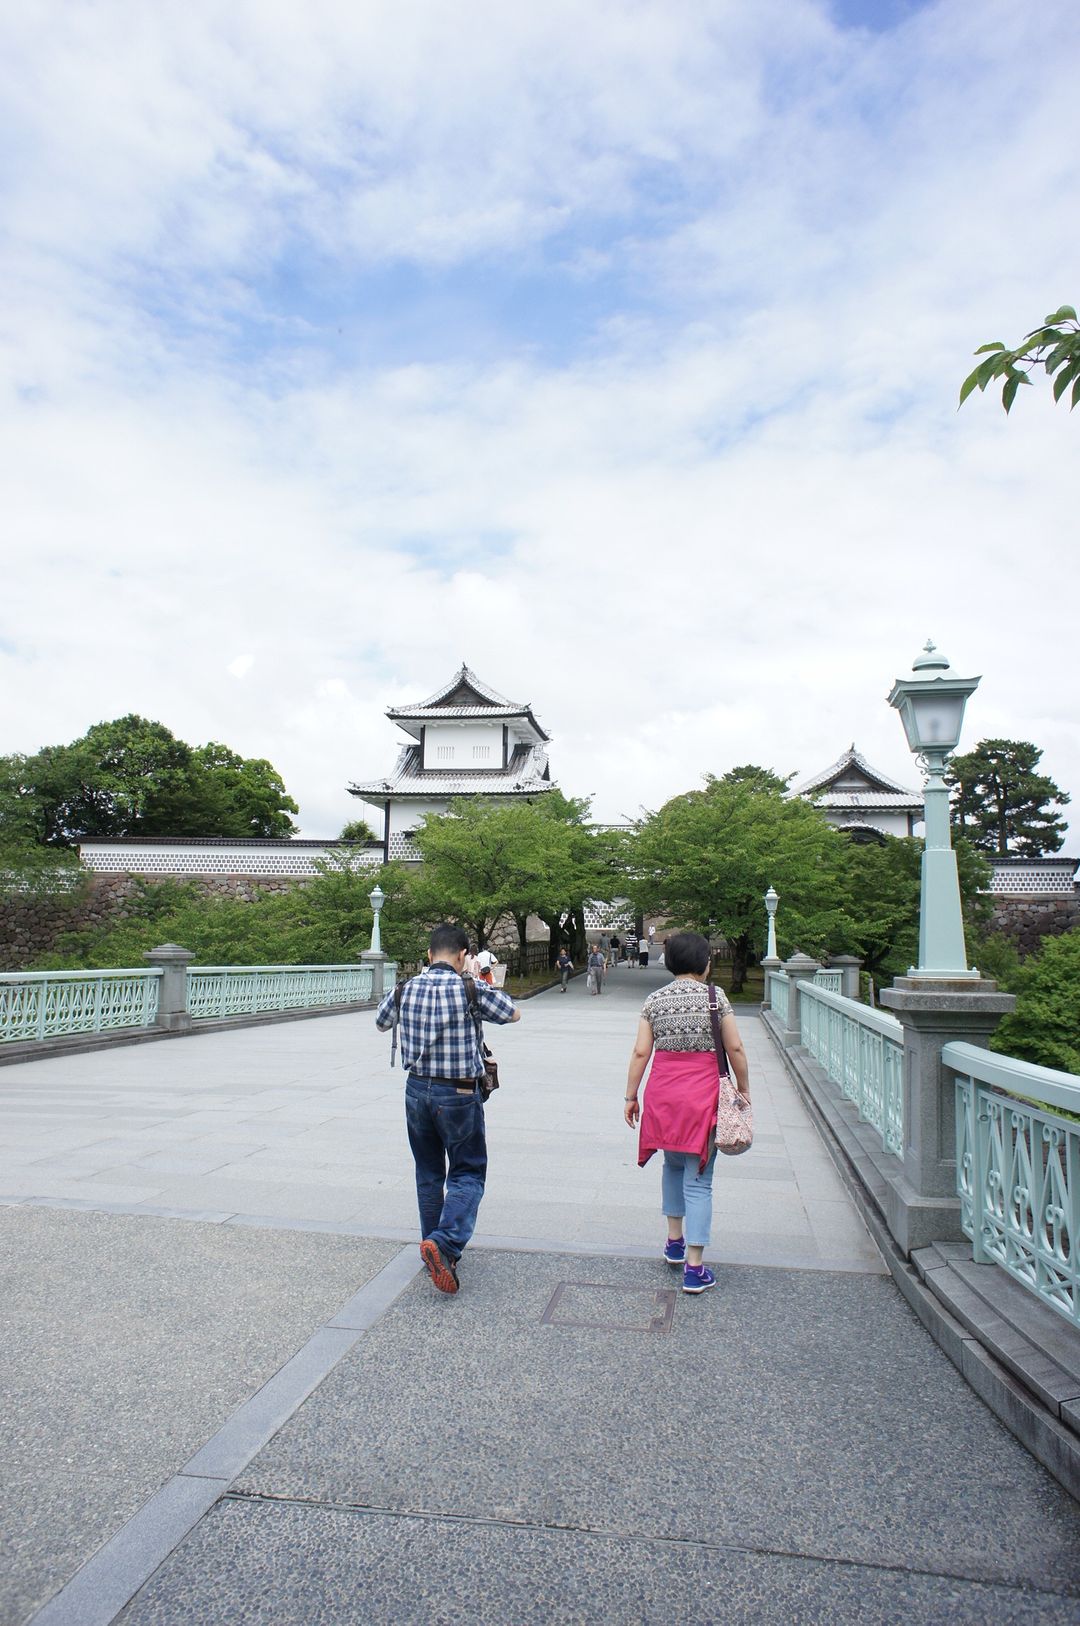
x=376 y=959
x=923 y=1205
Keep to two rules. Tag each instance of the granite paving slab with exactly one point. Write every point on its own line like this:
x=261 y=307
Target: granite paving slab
x=272 y=1564
x=860 y=1442
x=254 y=1120
x=124 y=1344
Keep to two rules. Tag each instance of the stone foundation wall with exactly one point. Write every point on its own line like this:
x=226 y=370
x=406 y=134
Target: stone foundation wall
x=31 y=926
x=1027 y=919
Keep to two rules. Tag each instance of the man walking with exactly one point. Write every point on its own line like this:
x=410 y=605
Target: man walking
x=596 y=967
x=441 y=1052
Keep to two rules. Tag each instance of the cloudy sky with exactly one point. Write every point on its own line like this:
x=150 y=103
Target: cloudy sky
x=613 y=348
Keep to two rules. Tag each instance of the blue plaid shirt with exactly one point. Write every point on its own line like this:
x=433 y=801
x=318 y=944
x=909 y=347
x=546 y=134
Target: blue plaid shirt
x=438 y=1034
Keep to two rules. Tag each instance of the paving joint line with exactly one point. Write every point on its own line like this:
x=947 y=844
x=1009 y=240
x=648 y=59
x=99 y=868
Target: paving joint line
x=123 y=1565
x=482 y=1242
x=600 y=1533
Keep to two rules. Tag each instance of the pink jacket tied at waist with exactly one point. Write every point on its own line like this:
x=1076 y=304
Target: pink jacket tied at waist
x=679 y=1110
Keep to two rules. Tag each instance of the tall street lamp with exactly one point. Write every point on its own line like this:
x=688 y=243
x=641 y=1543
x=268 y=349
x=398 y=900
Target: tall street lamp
x=931 y=705
x=376 y=898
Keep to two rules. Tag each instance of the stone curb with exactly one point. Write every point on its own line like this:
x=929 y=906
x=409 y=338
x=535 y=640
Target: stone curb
x=1011 y=1401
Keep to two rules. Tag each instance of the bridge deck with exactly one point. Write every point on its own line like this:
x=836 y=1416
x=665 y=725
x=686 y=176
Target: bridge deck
x=560 y=1442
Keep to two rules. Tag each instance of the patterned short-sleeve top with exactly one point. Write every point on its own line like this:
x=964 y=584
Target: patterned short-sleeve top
x=679 y=1015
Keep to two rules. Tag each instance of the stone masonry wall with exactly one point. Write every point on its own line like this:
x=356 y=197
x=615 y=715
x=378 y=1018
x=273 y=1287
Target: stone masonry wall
x=1027 y=919
x=31 y=926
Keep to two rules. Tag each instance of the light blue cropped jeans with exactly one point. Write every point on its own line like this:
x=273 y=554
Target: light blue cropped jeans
x=688 y=1194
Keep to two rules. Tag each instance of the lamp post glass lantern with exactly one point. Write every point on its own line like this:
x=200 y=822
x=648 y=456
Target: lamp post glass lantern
x=376 y=898
x=931 y=705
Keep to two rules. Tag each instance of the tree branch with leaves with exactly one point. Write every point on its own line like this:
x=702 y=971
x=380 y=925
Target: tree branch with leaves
x=1055 y=347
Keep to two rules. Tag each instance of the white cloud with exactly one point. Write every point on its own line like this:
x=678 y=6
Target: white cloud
x=713 y=530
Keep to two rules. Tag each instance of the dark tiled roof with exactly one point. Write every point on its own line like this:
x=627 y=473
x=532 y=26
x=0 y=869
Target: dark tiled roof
x=523 y=775
x=853 y=759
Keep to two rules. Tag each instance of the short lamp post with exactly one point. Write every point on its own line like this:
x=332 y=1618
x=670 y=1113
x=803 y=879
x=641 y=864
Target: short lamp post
x=376 y=898
x=931 y=705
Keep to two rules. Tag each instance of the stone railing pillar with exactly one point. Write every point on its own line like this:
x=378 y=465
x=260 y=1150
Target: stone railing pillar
x=172 y=1000
x=376 y=959
x=770 y=963
x=800 y=968
x=933 y=1013
x=849 y=966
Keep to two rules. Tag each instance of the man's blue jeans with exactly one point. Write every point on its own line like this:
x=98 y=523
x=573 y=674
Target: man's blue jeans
x=449 y=1147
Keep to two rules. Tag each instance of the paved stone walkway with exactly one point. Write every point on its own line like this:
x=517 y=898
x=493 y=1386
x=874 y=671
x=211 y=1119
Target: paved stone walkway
x=263 y=1414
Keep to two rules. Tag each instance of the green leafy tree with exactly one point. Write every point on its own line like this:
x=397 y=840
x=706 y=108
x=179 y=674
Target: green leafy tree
x=240 y=796
x=487 y=859
x=26 y=866
x=1002 y=805
x=1045 y=1027
x=882 y=904
x=755 y=778
x=358 y=830
x=1055 y=347
x=133 y=777
x=707 y=858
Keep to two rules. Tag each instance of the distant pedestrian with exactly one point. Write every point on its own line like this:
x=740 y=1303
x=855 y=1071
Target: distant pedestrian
x=679 y=1114
x=643 y=951
x=441 y=1041
x=596 y=967
x=564 y=965
x=616 y=948
x=472 y=964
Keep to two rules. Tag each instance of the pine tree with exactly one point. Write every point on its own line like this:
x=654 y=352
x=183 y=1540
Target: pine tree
x=1002 y=805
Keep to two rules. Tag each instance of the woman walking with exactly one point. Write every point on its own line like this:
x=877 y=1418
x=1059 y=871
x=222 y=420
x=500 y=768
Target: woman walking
x=679 y=1116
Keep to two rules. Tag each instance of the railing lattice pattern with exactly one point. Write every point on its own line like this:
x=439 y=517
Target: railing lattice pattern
x=46 y=1004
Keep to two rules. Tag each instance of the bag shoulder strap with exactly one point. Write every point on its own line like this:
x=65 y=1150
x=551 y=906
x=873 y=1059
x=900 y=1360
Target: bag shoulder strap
x=714 y=1022
x=399 y=989
x=474 y=1005
x=474 y=1011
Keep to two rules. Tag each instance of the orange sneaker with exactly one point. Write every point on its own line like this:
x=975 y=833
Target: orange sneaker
x=439 y=1269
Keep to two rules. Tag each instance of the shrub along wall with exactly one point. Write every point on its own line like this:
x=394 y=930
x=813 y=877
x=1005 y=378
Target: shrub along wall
x=31 y=925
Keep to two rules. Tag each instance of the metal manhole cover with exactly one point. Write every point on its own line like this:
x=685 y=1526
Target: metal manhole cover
x=616 y=1309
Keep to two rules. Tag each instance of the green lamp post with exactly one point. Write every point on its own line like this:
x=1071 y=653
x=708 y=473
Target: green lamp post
x=931 y=705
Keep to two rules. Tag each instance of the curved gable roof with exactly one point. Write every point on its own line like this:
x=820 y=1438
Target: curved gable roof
x=852 y=758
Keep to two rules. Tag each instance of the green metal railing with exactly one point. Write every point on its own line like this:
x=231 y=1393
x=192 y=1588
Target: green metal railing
x=832 y=980
x=46 y=1004
x=862 y=1050
x=216 y=991
x=36 y=1005
x=779 y=995
x=1018 y=1170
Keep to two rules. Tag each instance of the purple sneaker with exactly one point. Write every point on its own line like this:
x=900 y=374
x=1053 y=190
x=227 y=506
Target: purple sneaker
x=696 y=1278
x=675 y=1251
